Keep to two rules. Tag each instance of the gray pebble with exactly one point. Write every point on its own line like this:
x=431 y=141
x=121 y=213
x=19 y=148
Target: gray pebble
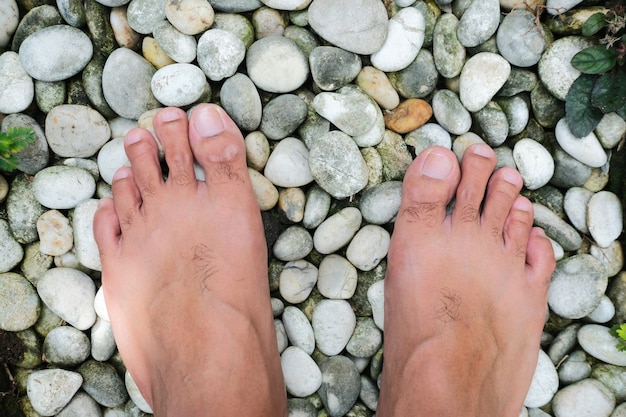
x=568 y=172
x=298 y=329
x=478 y=22
x=102 y=341
x=366 y=339
x=574 y=368
x=448 y=52
x=144 y=15
x=419 y=79
x=293 y=244
x=9 y=20
x=556 y=228
x=450 y=113
x=178 y=46
x=242 y=102
x=235 y=6
x=50 y=390
x=34 y=156
x=282 y=115
x=596 y=340
x=563 y=343
x=332 y=67
x=337 y=230
x=23 y=210
x=102 y=383
x=336 y=278
x=66 y=347
x=17 y=89
x=613 y=377
x=179 y=85
x=37 y=18
x=19 y=304
x=11 y=250
x=380 y=203
x=520 y=41
x=492 y=123
x=73 y=12
x=316 y=207
x=81 y=405
x=219 y=53
x=588 y=396
x=275 y=64
x=341 y=385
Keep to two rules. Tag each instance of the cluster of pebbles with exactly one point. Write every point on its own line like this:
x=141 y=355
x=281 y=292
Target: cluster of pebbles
x=335 y=99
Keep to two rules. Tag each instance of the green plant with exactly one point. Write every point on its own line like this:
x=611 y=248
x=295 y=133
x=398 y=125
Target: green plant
x=11 y=142
x=601 y=88
x=619 y=331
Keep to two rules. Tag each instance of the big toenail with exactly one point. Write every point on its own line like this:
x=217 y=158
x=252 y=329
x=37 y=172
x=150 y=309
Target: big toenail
x=208 y=122
x=132 y=137
x=482 y=150
x=437 y=166
x=169 y=114
x=511 y=176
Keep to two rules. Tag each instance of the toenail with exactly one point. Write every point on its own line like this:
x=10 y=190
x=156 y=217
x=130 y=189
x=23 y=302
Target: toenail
x=120 y=174
x=523 y=205
x=511 y=176
x=208 y=122
x=482 y=150
x=132 y=137
x=437 y=166
x=169 y=114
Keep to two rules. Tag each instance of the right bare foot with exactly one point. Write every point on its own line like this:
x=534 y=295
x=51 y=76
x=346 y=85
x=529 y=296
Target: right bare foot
x=465 y=293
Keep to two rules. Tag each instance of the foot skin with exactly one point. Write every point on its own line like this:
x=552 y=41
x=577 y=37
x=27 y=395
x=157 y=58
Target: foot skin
x=184 y=270
x=465 y=293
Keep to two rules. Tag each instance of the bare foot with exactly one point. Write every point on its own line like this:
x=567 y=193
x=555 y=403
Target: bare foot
x=465 y=293
x=184 y=270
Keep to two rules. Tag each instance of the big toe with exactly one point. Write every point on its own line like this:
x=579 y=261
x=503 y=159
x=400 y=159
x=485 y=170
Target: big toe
x=429 y=185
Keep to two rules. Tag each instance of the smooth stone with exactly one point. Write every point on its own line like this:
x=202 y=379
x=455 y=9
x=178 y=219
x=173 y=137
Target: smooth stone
x=463 y=142
x=81 y=405
x=268 y=22
x=72 y=12
x=76 y=131
x=291 y=204
x=481 y=78
x=377 y=85
x=135 y=395
x=366 y=340
x=70 y=294
x=341 y=385
x=545 y=383
x=376 y=298
x=368 y=247
x=337 y=278
x=100 y=306
x=237 y=24
x=604 y=312
x=449 y=54
x=49 y=390
x=84 y=242
x=293 y=244
x=55 y=53
x=62 y=187
x=492 y=124
x=265 y=192
x=604 y=218
x=534 y=163
x=568 y=171
x=9 y=19
x=478 y=22
x=575 y=206
x=613 y=377
x=380 y=203
x=301 y=407
x=316 y=207
x=126 y=83
x=374 y=164
x=190 y=17
x=408 y=116
x=144 y=15
x=450 y=112
x=395 y=156
x=517 y=113
x=431 y=134
x=102 y=383
x=124 y=35
x=34 y=157
x=35 y=263
x=337 y=230
x=297 y=281
x=275 y=64
x=19 y=304
x=290 y=5
x=563 y=343
x=282 y=115
x=112 y=157
x=504 y=156
x=419 y=79
x=179 y=85
x=66 y=346
x=596 y=340
x=556 y=7
x=556 y=228
x=298 y=328
x=610 y=130
x=577 y=286
x=356 y=26
x=374 y=135
x=587 y=397
x=235 y=6
x=257 y=150
x=302 y=375
x=178 y=46
x=520 y=41
x=103 y=344
x=281 y=336
x=55 y=233
x=242 y=102
x=304 y=38
x=619 y=411
x=587 y=150
x=37 y=18
x=554 y=68
x=405 y=37
x=369 y=393
x=333 y=323
x=288 y=164
x=17 y=89
x=520 y=80
x=154 y=54
x=23 y=210
x=612 y=257
x=11 y=250
x=337 y=165
x=333 y=68
x=219 y=53
x=574 y=368
x=348 y=109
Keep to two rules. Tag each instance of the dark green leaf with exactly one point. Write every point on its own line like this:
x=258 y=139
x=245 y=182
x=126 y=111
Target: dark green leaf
x=582 y=117
x=609 y=92
x=622 y=112
x=594 y=24
x=594 y=60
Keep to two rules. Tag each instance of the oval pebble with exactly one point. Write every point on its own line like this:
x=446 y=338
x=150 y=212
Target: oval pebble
x=17 y=89
x=219 y=53
x=12 y=251
x=596 y=340
x=242 y=102
x=56 y=235
x=520 y=41
x=191 y=17
x=302 y=375
x=368 y=247
x=293 y=244
x=288 y=164
x=62 y=187
x=337 y=278
x=587 y=150
x=50 y=390
x=534 y=163
x=545 y=383
x=333 y=322
x=298 y=329
x=19 y=304
x=179 y=84
x=604 y=218
x=276 y=64
x=341 y=385
x=76 y=131
x=380 y=203
x=297 y=280
x=337 y=230
x=84 y=242
x=588 y=397
x=405 y=37
x=66 y=346
x=481 y=78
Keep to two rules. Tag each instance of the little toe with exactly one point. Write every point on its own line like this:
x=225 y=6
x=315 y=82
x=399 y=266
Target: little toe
x=142 y=151
x=503 y=189
x=171 y=128
x=429 y=186
x=218 y=146
x=476 y=168
x=106 y=228
x=540 y=259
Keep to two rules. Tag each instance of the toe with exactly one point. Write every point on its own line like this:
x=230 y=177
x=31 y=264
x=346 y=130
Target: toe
x=171 y=129
x=503 y=189
x=477 y=166
x=218 y=146
x=142 y=151
x=126 y=198
x=106 y=228
x=517 y=227
x=540 y=262
x=429 y=185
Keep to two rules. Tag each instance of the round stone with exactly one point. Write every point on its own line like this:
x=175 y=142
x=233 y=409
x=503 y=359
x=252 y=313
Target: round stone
x=76 y=131
x=302 y=375
x=219 y=53
x=333 y=323
x=332 y=67
x=604 y=217
x=450 y=113
x=179 y=85
x=520 y=40
x=19 y=303
x=337 y=230
x=481 y=78
x=534 y=163
x=66 y=346
x=478 y=22
x=368 y=247
x=337 y=278
x=293 y=244
x=63 y=187
x=190 y=17
x=587 y=397
x=275 y=64
x=297 y=281
x=55 y=233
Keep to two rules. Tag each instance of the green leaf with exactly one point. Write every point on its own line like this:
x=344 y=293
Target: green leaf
x=594 y=24
x=596 y=59
x=11 y=142
x=609 y=92
x=582 y=116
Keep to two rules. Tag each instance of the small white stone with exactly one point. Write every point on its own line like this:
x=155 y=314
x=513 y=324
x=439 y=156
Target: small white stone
x=302 y=375
x=17 y=89
x=102 y=340
x=257 y=150
x=265 y=192
x=596 y=340
x=293 y=244
x=604 y=312
x=534 y=163
x=586 y=150
x=135 y=394
x=191 y=17
x=575 y=206
x=333 y=323
x=63 y=187
x=100 y=306
x=337 y=278
x=50 y=390
x=544 y=384
x=281 y=335
x=55 y=233
x=179 y=84
x=112 y=157
x=298 y=329
x=297 y=281
x=368 y=247
x=376 y=297
x=337 y=230
x=610 y=130
x=481 y=78
x=286 y=4
x=588 y=397
x=604 y=217
x=405 y=36
x=9 y=19
x=84 y=242
x=288 y=164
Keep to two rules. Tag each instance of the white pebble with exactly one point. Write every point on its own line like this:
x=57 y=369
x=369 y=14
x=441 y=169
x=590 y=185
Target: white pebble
x=298 y=329
x=333 y=324
x=302 y=375
x=337 y=278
